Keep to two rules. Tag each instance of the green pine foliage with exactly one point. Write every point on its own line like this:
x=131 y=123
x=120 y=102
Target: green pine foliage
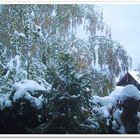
x=68 y=102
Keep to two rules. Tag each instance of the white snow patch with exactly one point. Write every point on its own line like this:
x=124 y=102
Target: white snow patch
x=18 y=62
x=117 y=115
x=104 y=101
x=10 y=65
x=103 y=111
x=45 y=84
x=26 y=89
x=28 y=85
x=32 y=14
x=116 y=92
x=95 y=66
x=38 y=102
x=121 y=93
x=107 y=102
x=14 y=65
x=74 y=49
x=28 y=96
x=75 y=96
x=87 y=89
x=117 y=121
x=53 y=13
x=5 y=101
x=21 y=35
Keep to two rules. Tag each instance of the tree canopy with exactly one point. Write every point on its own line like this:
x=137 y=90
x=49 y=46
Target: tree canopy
x=39 y=33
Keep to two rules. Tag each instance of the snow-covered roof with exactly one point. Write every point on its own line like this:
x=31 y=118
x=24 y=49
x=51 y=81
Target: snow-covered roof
x=135 y=75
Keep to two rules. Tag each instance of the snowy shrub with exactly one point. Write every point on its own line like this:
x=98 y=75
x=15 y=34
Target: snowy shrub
x=21 y=111
x=5 y=101
x=19 y=118
x=119 y=110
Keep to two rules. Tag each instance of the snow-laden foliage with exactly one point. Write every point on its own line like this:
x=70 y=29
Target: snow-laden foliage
x=41 y=32
x=12 y=72
x=114 y=109
x=21 y=110
x=14 y=66
x=27 y=89
x=5 y=101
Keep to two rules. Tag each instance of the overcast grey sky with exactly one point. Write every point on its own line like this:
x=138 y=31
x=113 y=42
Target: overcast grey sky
x=124 y=20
